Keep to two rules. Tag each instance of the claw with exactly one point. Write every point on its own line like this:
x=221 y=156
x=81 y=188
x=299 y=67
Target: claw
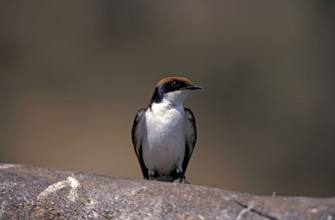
x=184 y=180
x=151 y=174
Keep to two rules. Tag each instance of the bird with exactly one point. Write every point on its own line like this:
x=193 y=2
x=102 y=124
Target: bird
x=164 y=134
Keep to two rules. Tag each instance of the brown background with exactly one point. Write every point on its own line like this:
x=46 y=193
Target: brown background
x=73 y=74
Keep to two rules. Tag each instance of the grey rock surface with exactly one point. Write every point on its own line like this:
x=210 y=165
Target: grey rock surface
x=28 y=192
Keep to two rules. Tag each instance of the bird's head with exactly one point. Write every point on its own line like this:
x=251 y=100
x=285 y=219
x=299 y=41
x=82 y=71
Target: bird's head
x=173 y=90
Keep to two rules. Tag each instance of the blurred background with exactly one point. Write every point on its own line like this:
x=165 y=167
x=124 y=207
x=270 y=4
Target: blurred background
x=74 y=73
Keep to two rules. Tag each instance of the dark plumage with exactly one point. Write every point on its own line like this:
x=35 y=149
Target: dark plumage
x=164 y=134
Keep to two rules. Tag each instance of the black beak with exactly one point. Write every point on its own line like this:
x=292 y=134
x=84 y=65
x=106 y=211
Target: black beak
x=193 y=87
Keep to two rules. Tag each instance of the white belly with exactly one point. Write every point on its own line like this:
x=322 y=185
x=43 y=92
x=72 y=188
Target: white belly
x=164 y=145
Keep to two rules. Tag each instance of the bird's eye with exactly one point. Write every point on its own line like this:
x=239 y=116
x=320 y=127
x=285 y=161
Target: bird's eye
x=175 y=83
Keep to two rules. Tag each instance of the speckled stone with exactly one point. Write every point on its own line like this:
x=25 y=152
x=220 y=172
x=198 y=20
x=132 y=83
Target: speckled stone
x=28 y=192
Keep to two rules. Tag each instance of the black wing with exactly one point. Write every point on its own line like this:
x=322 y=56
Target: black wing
x=136 y=137
x=191 y=137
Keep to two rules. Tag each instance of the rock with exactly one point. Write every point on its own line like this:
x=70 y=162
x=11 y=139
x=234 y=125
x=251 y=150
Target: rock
x=28 y=192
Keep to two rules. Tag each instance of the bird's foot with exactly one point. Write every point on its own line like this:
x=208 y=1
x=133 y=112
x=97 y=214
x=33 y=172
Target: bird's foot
x=184 y=180
x=151 y=174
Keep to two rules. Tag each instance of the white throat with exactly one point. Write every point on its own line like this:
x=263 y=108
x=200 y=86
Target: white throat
x=164 y=146
x=175 y=98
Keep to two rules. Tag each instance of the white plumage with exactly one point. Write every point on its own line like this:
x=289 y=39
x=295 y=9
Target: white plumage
x=164 y=146
x=164 y=134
